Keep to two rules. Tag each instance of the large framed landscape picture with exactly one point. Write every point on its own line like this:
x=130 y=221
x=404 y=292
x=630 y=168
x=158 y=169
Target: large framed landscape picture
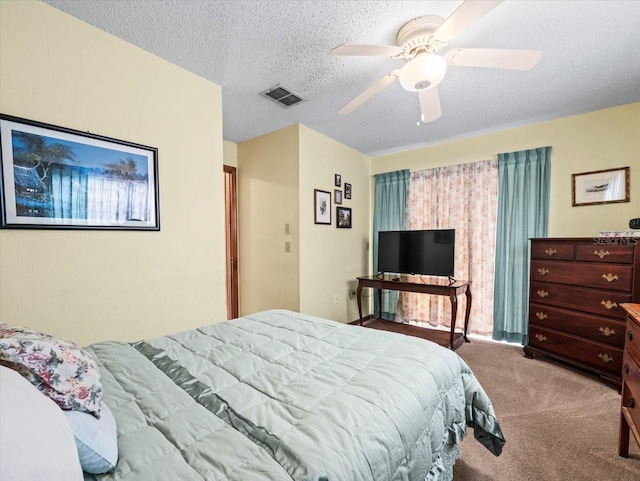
x=54 y=177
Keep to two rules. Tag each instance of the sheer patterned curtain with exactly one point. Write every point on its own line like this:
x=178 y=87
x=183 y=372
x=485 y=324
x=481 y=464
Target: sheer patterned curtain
x=390 y=205
x=523 y=212
x=462 y=197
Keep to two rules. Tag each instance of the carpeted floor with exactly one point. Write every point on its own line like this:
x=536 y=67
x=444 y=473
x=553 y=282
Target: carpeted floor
x=560 y=424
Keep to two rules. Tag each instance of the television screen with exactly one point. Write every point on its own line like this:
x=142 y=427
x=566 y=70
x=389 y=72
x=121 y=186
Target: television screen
x=427 y=252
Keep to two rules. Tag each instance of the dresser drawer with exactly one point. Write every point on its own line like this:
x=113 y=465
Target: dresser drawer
x=601 y=329
x=622 y=254
x=599 y=275
x=604 y=303
x=632 y=339
x=551 y=250
x=602 y=356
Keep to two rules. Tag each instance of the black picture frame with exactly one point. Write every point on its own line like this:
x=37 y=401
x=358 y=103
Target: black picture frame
x=347 y=191
x=337 y=180
x=321 y=207
x=343 y=217
x=54 y=177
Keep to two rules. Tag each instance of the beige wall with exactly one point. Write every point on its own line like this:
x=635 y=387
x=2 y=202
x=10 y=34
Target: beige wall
x=598 y=140
x=230 y=153
x=331 y=258
x=94 y=285
x=277 y=174
x=267 y=200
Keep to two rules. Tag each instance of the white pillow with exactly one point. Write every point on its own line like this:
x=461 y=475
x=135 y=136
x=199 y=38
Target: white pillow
x=35 y=440
x=96 y=439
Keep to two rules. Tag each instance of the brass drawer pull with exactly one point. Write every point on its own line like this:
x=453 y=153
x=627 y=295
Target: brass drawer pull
x=601 y=253
x=543 y=272
x=607 y=332
x=543 y=293
x=541 y=315
x=540 y=337
x=551 y=252
x=626 y=368
x=630 y=335
x=609 y=305
x=610 y=277
x=606 y=358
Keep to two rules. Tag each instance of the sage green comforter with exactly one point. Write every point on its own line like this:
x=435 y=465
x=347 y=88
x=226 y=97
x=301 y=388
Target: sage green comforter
x=282 y=395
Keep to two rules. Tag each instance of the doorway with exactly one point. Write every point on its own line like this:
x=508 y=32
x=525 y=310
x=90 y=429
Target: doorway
x=231 y=230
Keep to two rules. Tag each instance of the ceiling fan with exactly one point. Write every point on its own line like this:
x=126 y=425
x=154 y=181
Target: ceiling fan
x=418 y=41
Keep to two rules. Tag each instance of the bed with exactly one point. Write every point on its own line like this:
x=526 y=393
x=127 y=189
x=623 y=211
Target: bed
x=280 y=395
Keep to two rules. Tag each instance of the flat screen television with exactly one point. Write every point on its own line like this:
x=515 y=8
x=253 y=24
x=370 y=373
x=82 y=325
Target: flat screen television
x=427 y=252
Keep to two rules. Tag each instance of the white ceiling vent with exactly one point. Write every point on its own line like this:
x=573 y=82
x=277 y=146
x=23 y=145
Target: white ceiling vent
x=282 y=96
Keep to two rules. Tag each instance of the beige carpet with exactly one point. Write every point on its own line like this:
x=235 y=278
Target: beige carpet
x=560 y=424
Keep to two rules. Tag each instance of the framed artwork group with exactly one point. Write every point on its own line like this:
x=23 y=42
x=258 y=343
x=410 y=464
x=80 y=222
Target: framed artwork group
x=322 y=204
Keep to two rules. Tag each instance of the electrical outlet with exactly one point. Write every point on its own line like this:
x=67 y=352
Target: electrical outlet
x=287 y=246
x=335 y=298
x=286 y=228
x=352 y=293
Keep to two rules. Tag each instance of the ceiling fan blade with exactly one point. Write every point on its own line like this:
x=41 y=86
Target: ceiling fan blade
x=366 y=50
x=429 y=105
x=465 y=15
x=370 y=92
x=494 y=58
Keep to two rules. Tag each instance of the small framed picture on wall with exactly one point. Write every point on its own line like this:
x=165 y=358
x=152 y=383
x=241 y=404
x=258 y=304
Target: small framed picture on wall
x=322 y=207
x=343 y=217
x=337 y=196
x=600 y=187
x=337 y=180
x=347 y=191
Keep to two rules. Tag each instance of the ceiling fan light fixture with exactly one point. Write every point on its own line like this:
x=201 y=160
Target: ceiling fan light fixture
x=423 y=72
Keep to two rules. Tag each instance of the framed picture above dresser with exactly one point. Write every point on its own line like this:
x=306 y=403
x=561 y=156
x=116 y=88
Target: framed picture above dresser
x=576 y=290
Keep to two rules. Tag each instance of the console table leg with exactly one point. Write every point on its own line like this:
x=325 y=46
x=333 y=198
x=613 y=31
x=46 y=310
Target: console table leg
x=358 y=295
x=467 y=313
x=454 y=316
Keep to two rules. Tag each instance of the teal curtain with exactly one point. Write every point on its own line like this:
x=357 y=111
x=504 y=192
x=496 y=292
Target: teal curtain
x=390 y=203
x=523 y=213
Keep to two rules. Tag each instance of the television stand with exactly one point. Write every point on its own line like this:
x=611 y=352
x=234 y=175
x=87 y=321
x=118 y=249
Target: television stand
x=439 y=286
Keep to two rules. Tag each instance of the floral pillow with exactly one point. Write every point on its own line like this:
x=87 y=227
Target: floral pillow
x=59 y=369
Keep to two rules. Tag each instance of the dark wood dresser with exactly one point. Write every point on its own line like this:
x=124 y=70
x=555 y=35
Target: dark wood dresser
x=576 y=291
x=630 y=405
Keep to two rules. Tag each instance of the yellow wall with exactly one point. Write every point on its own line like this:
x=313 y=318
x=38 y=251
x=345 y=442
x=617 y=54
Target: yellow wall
x=331 y=258
x=599 y=140
x=277 y=174
x=267 y=200
x=94 y=285
x=230 y=153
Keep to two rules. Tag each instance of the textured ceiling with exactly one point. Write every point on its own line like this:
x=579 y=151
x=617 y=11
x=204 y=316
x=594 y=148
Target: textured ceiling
x=589 y=62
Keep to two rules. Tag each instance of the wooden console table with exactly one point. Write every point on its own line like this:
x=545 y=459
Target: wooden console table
x=438 y=286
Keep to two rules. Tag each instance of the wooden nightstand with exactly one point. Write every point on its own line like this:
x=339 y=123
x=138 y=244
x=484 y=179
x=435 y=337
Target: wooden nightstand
x=630 y=406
